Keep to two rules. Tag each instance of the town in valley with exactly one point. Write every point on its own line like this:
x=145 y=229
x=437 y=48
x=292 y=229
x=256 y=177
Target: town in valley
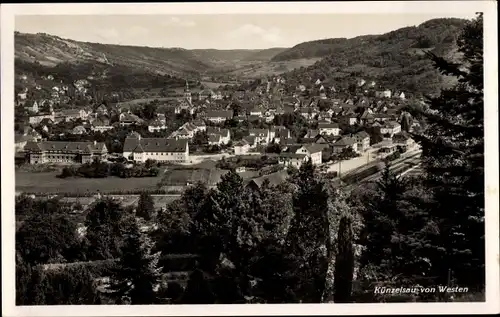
x=224 y=172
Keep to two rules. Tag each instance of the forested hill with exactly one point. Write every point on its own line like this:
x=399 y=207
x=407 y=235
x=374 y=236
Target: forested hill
x=433 y=33
x=50 y=50
x=394 y=60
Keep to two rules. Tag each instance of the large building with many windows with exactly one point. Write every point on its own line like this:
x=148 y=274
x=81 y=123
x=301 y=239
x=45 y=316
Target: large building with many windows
x=64 y=152
x=141 y=149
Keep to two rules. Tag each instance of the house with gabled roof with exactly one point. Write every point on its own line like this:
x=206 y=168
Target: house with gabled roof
x=214 y=139
x=349 y=117
x=325 y=116
x=219 y=116
x=34 y=107
x=64 y=152
x=156 y=126
x=205 y=93
x=329 y=128
x=363 y=140
x=313 y=152
x=261 y=135
x=279 y=132
x=159 y=149
x=367 y=117
x=273 y=179
x=73 y=114
x=101 y=124
x=102 y=110
x=292 y=159
x=381 y=117
x=403 y=138
x=36 y=119
x=241 y=147
x=128 y=118
x=224 y=134
x=390 y=128
x=256 y=112
x=250 y=139
x=183 y=133
x=311 y=134
x=345 y=143
x=79 y=130
x=200 y=125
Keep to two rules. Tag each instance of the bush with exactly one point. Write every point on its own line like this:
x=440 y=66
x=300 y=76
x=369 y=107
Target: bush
x=99 y=169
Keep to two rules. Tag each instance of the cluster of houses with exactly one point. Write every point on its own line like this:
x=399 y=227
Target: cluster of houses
x=328 y=114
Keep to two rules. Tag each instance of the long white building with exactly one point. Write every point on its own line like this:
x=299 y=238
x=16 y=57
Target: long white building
x=159 y=149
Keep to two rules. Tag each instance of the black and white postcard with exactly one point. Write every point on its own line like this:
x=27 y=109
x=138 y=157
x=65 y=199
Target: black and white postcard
x=204 y=158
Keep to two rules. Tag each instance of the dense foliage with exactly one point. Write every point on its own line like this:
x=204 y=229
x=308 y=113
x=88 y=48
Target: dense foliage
x=453 y=157
x=99 y=169
x=398 y=54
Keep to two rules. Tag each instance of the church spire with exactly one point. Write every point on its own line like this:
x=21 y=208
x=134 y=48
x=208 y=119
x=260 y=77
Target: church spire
x=187 y=93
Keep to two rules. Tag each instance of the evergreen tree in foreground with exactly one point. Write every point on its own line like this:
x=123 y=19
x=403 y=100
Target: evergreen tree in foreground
x=344 y=263
x=137 y=273
x=104 y=230
x=309 y=234
x=145 y=206
x=453 y=159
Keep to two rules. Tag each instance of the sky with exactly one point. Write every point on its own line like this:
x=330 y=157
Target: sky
x=218 y=31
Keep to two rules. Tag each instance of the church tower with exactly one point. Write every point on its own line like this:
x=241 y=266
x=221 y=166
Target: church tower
x=187 y=93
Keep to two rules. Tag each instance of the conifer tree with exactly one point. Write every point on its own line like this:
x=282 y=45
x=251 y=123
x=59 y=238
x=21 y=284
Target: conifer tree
x=453 y=159
x=104 y=230
x=137 y=273
x=381 y=218
x=344 y=263
x=309 y=234
x=145 y=206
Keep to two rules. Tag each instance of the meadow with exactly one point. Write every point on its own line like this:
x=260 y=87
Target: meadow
x=47 y=182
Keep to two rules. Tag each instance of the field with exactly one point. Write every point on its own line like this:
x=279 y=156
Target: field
x=211 y=85
x=135 y=102
x=266 y=68
x=47 y=182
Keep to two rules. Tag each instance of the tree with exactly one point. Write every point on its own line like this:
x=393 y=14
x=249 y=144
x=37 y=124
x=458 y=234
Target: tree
x=453 y=159
x=381 y=216
x=137 y=273
x=406 y=122
x=309 y=234
x=198 y=290
x=47 y=234
x=145 y=206
x=74 y=286
x=344 y=263
x=23 y=280
x=149 y=111
x=273 y=148
x=174 y=228
x=104 y=224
